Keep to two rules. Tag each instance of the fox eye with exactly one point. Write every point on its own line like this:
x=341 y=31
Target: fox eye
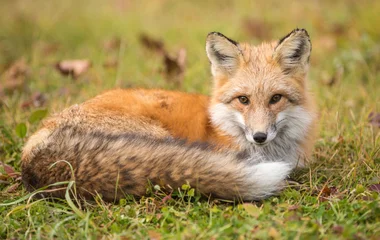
x=275 y=99
x=243 y=100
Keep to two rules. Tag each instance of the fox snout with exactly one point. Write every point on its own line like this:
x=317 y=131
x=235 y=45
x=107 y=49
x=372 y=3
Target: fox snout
x=260 y=137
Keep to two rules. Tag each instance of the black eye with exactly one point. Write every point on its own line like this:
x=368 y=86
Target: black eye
x=275 y=99
x=243 y=100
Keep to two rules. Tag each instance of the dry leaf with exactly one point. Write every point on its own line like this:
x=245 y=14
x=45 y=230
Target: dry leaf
x=8 y=169
x=175 y=67
x=375 y=187
x=374 y=119
x=73 y=68
x=257 y=28
x=14 y=77
x=13 y=187
x=46 y=48
x=273 y=233
x=110 y=63
x=340 y=29
x=337 y=229
x=112 y=44
x=327 y=192
x=293 y=207
x=153 y=235
x=167 y=198
x=151 y=43
x=36 y=100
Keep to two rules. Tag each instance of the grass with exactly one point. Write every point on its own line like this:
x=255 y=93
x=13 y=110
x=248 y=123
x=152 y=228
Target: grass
x=335 y=199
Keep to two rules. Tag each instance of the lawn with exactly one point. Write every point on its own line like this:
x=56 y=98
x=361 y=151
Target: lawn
x=126 y=44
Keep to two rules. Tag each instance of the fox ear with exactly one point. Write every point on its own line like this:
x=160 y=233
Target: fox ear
x=223 y=53
x=293 y=52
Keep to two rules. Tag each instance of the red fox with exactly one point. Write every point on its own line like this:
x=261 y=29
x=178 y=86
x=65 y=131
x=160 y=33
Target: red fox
x=238 y=144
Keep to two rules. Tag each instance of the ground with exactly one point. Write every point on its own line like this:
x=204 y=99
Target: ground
x=337 y=197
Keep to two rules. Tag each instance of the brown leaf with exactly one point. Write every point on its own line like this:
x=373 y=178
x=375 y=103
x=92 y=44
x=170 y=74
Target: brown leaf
x=374 y=119
x=110 y=63
x=293 y=207
x=175 y=67
x=257 y=28
x=112 y=44
x=374 y=187
x=151 y=43
x=153 y=235
x=13 y=188
x=340 y=29
x=36 y=100
x=167 y=198
x=337 y=229
x=273 y=233
x=47 y=48
x=327 y=192
x=14 y=77
x=8 y=169
x=73 y=68
x=3 y=177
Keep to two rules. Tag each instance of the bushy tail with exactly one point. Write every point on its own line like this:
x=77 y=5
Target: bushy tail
x=117 y=164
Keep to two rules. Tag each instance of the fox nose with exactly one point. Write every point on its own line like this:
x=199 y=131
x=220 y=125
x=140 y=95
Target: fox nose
x=260 y=137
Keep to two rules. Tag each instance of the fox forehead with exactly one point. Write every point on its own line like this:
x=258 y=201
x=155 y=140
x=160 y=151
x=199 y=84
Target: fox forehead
x=260 y=79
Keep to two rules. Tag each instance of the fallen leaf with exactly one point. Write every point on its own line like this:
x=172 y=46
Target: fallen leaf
x=110 y=63
x=13 y=188
x=337 y=229
x=36 y=100
x=327 y=192
x=14 y=77
x=73 y=68
x=257 y=28
x=153 y=235
x=3 y=177
x=10 y=171
x=273 y=233
x=151 y=43
x=175 y=67
x=46 y=48
x=374 y=119
x=340 y=29
x=374 y=187
x=293 y=207
x=112 y=44
x=167 y=198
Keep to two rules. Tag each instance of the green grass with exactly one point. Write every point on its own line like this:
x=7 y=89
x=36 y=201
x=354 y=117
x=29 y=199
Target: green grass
x=334 y=199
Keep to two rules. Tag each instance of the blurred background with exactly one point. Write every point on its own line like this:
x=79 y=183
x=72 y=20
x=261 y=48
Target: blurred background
x=160 y=44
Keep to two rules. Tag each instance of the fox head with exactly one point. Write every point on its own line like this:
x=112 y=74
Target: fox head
x=260 y=91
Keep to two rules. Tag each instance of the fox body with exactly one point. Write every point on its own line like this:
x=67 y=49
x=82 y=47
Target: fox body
x=240 y=143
